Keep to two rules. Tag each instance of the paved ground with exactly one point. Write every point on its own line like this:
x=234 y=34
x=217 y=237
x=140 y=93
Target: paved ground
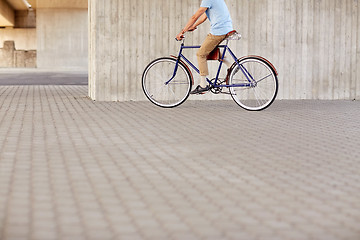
x=35 y=76
x=71 y=168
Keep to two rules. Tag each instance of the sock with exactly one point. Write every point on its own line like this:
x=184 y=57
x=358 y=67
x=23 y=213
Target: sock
x=203 y=82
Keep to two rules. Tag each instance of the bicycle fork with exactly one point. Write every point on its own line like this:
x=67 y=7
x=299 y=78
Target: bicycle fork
x=176 y=65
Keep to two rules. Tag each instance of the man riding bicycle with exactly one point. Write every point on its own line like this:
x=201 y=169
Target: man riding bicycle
x=221 y=24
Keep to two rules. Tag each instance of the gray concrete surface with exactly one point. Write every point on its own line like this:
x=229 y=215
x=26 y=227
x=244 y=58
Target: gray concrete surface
x=72 y=168
x=24 y=76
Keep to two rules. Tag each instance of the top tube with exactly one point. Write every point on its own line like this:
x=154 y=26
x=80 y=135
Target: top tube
x=183 y=46
x=233 y=35
x=198 y=46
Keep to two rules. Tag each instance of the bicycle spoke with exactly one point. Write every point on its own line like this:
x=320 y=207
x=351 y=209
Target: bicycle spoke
x=262 y=92
x=159 y=91
x=155 y=77
x=180 y=83
x=160 y=88
x=263 y=78
x=257 y=97
x=171 y=91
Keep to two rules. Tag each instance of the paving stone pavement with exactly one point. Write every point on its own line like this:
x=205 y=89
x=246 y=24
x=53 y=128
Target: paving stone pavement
x=71 y=168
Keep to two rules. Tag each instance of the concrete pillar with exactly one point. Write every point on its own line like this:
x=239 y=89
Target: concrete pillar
x=19 y=59
x=313 y=44
x=25 y=59
x=124 y=36
x=7 y=54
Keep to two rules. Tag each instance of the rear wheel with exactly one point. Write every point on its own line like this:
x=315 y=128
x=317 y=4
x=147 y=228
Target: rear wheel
x=256 y=84
x=160 y=88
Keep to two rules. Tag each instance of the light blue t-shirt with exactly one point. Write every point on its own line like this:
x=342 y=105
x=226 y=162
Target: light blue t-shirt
x=219 y=16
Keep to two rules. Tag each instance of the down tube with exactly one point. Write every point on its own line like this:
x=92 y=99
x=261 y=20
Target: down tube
x=190 y=63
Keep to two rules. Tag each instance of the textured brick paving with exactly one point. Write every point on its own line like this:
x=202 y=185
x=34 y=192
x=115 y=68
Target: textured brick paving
x=71 y=168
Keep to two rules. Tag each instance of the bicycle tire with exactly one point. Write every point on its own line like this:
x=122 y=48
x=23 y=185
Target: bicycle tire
x=261 y=92
x=157 y=88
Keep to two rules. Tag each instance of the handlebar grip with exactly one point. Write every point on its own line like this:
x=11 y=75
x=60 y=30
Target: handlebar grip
x=182 y=39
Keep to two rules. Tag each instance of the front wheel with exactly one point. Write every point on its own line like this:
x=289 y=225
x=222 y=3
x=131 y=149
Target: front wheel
x=254 y=83
x=162 y=87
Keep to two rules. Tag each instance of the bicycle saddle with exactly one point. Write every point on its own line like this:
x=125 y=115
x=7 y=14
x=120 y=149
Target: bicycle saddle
x=233 y=35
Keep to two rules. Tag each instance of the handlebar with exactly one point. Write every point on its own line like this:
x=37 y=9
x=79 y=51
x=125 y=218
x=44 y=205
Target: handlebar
x=181 y=39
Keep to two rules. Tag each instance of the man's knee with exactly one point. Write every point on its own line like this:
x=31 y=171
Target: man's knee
x=201 y=54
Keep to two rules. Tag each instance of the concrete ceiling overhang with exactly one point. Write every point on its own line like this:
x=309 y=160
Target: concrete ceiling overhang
x=62 y=4
x=8 y=7
x=21 y=4
x=7 y=15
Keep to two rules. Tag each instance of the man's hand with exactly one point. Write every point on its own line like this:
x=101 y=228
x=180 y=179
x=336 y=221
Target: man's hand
x=193 y=22
x=180 y=36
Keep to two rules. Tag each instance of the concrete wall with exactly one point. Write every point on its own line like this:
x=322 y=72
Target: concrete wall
x=24 y=38
x=315 y=44
x=12 y=58
x=25 y=19
x=62 y=38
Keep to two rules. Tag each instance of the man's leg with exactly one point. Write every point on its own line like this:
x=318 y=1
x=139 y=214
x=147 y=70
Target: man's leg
x=208 y=45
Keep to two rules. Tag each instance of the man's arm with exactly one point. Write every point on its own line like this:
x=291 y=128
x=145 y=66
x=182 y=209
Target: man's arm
x=202 y=19
x=199 y=13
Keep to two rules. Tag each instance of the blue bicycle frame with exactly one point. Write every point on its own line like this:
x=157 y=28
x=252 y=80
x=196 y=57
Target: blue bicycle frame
x=248 y=76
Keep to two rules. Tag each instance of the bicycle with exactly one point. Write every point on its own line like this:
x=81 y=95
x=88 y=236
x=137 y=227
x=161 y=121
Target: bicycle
x=251 y=81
